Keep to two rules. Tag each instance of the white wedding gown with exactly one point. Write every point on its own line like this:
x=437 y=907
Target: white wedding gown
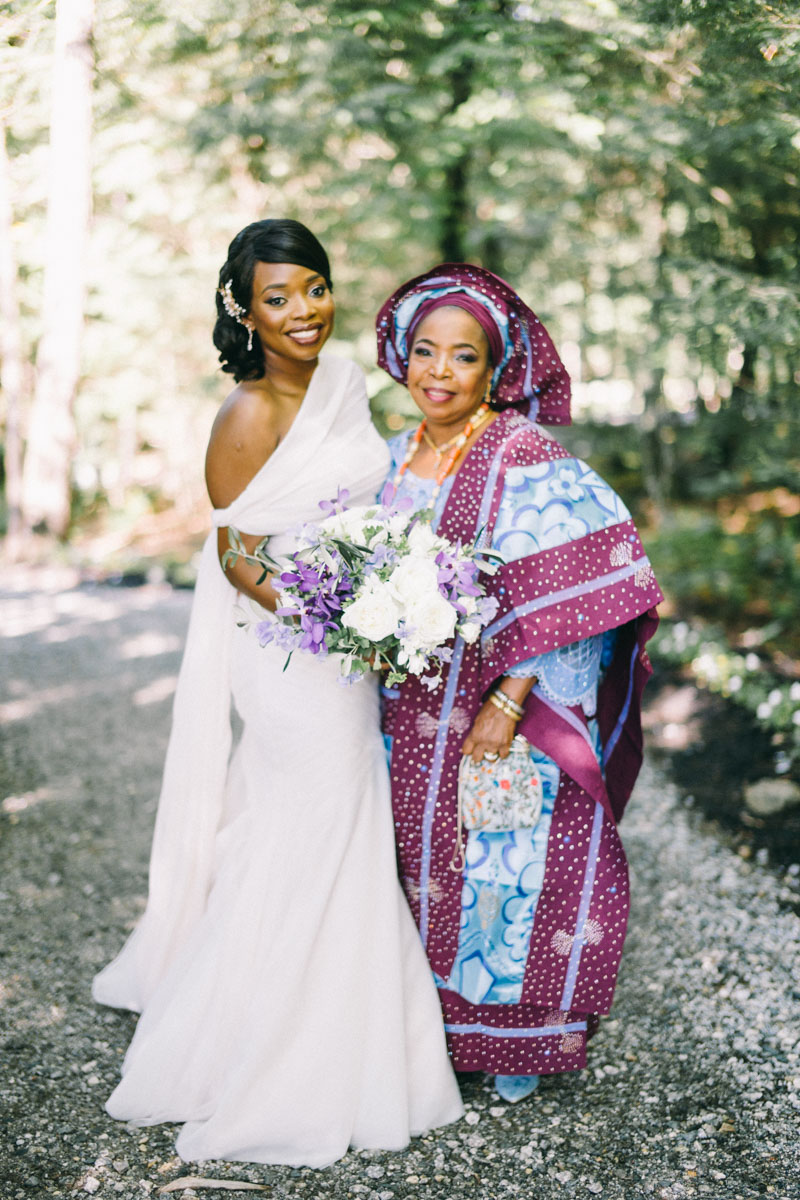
x=288 y=1010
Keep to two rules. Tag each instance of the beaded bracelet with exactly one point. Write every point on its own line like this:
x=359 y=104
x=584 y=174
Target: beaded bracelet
x=504 y=696
x=504 y=706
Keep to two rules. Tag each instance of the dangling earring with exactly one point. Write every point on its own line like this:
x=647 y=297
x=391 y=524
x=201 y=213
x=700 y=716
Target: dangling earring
x=249 y=337
x=487 y=396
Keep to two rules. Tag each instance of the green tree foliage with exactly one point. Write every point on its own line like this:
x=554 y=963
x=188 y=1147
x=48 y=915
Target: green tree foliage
x=630 y=165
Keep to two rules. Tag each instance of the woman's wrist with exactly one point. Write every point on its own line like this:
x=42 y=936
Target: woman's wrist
x=513 y=691
x=506 y=705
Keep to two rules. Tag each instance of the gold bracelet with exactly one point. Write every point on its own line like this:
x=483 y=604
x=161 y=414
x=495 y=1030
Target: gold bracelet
x=512 y=704
x=506 y=709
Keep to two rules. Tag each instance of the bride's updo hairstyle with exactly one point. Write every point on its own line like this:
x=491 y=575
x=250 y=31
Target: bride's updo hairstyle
x=273 y=241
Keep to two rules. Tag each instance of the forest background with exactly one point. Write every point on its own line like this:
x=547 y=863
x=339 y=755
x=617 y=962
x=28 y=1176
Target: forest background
x=630 y=166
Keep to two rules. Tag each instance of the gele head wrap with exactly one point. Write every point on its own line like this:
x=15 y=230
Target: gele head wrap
x=475 y=309
x=528 y=373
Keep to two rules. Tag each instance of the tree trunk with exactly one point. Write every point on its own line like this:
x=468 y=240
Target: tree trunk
x=11 y=362
x=657 y=458
x=492 y=254
x=455 y=206
x=51 y=433
x=733 y=423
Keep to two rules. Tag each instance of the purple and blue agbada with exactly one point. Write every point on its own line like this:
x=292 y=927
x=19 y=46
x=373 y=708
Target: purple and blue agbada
x=525 y=944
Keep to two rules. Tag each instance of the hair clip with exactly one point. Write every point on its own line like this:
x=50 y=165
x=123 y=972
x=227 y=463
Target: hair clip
x=235 y=310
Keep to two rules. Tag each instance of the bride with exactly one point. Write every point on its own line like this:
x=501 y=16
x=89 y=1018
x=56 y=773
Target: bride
x=288 y=1010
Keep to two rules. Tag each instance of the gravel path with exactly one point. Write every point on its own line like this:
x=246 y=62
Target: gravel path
x=693 y=1087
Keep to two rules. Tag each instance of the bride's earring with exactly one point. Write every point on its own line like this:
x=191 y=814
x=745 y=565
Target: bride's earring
x=249 y=337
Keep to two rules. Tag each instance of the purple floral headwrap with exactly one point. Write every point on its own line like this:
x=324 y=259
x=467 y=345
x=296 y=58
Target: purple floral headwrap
x=528 y=373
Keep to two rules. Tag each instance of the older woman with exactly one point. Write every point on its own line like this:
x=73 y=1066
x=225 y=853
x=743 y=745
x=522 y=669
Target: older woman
x=525 y=939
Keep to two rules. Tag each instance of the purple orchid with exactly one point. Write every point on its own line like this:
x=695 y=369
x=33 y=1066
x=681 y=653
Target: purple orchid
x=331 y=507
x=313 y=636
x=285 y=637
x=389 y=502
x=303 y=578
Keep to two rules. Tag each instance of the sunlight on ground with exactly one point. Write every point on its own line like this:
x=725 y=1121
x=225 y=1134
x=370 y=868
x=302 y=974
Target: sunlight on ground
x=149 y=645
x=36 y=601
x=21 y=710
x=16 y=804
x=155 y=692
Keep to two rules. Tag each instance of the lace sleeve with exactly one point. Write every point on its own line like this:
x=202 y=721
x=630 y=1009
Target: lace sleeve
x=568 y=675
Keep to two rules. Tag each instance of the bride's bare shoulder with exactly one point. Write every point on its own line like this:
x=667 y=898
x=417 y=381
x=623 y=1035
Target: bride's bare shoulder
x=243 y=436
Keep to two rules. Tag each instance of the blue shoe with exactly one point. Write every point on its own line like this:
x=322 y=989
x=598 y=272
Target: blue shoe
x=514 y=1088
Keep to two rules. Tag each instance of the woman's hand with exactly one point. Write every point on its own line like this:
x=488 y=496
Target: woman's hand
x=492 y=730
x=492 y=733
x=244 y=575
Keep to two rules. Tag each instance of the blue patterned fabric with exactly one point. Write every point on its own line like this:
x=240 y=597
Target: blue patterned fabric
x=503 y=880
x=566 y=500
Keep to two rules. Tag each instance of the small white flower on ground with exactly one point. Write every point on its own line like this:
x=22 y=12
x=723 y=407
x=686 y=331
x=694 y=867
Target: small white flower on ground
x=764 y=711
x=775 y=697
x=735 y=683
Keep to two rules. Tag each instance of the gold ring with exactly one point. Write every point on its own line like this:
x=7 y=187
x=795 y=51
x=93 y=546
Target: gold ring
x=491 y=756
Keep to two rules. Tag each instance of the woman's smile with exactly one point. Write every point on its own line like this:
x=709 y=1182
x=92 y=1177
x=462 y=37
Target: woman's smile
x=306 y=335
x=438 y=395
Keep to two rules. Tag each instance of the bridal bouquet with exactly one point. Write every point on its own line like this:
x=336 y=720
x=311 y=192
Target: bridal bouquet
x=376 y=585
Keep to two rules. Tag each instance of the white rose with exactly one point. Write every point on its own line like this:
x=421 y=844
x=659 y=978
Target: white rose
x=354 y=525
x=432 y=618
x=373 y=614
x=422 y=539
x=413 y=578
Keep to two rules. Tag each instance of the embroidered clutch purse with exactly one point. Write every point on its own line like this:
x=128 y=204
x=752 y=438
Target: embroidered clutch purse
x=496 y=796
x=505 y=794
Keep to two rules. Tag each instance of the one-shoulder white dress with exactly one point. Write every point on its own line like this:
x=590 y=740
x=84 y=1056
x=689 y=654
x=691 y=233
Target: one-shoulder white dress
x=288 y=1010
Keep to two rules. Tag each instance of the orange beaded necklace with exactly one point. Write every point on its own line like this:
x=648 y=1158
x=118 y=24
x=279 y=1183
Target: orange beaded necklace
x=453 y=448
